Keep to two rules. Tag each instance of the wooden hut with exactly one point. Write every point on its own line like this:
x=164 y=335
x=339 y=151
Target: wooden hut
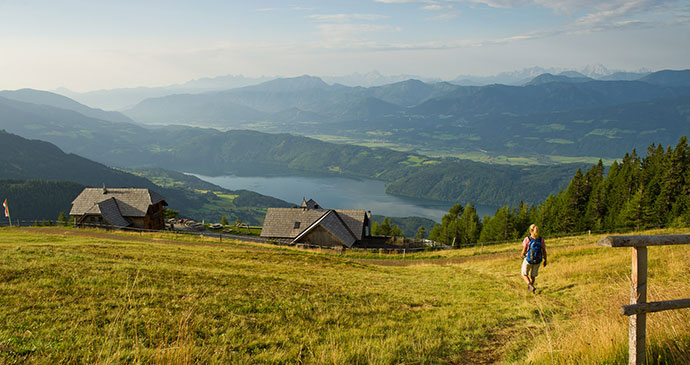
x=312 y=225
x=119 y=207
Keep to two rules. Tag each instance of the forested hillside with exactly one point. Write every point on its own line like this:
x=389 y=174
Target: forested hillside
x=638 y=192
x=24 y=159
x=31 y=200
x=213 y=152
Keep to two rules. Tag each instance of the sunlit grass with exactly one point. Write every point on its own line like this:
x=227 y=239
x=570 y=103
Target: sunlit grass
x=128 y=297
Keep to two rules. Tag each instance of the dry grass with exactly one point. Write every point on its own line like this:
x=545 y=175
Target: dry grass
x=120 y=298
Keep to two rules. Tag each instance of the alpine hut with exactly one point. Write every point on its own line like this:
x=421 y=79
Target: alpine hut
x=310 y=224
x=120 y=208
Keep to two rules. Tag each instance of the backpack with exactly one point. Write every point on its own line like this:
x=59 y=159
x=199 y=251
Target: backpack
x=534 y=254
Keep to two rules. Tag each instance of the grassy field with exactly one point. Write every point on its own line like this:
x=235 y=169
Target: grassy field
x=70 y=295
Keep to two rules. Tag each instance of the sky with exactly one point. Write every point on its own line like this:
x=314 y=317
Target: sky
x=96 y=44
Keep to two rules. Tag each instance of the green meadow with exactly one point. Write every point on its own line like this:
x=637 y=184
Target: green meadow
x=75 y=296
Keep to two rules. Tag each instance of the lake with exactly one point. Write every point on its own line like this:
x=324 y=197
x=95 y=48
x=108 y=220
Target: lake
x=340 y=193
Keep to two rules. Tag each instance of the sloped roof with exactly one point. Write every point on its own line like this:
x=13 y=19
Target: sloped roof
x=280 y=222
x=131 y=202
x=354 y=219
x=331 y=222
x=111 y=213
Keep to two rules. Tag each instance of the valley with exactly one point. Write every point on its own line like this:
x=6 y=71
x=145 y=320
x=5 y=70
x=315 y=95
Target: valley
x=437 y=143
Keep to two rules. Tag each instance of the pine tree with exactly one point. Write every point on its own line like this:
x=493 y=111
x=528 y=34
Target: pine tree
x=421 y=233
x=500 y=227
x=572 y=215
x=375 y=229
x=435 y=233
x=631 y=216
x=523 y=218
x=596 y=207
x=223 y=221
x=386 y=227
x=469 y=227
x=549 y=213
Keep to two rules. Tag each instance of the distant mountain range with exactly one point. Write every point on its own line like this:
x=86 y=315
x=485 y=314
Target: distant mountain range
x=59 y=101
x=212 y=152
x=444 y=116
x=521 y=77
x=116 y=99
x=125 y=98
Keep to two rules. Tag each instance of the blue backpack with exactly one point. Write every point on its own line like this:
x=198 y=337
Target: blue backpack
x=534 y=255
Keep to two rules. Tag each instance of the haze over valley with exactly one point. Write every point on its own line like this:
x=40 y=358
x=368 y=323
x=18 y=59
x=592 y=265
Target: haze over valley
x=489 y=145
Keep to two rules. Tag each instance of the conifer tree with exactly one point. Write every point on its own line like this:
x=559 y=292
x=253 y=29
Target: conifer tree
x=469 y=226
x=375 y=229
x=631 y=216
x=421 y=233
x=596 y=208
x=500 y=227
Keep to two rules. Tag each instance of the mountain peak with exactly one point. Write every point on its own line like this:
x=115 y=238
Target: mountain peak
x=304 y=82
x=567 y=77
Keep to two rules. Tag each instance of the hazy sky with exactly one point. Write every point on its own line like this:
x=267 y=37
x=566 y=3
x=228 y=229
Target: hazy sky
x=94 y=44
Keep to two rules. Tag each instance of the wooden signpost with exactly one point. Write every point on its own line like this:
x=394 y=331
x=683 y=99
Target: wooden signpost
x=638 y=308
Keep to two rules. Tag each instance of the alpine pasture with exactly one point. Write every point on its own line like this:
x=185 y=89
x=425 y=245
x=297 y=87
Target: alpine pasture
x=84 y=296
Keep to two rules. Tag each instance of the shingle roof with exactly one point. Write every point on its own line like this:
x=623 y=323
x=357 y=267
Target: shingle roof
x=110 y=211
x=331 y=222
x=354 y=218
x=131 y=202
x=280 y=222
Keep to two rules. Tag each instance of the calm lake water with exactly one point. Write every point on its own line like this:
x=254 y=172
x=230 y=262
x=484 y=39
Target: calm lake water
x=340 y=193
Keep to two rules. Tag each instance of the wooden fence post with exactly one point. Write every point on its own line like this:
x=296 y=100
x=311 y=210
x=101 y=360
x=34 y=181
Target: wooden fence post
x=638 y=308
x=638 y=295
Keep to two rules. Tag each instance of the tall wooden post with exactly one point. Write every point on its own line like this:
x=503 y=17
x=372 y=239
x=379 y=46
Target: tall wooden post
x=638 y=308
x=638 y=294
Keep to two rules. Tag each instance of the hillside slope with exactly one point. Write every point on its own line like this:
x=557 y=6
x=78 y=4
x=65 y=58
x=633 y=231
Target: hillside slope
x=34 y=159
x=212 y=152
x=115 y=297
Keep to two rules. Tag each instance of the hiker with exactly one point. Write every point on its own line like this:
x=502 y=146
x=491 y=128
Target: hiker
x=533 y=252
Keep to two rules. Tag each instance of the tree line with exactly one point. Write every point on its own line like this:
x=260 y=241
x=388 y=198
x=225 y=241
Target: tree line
x=637 y=192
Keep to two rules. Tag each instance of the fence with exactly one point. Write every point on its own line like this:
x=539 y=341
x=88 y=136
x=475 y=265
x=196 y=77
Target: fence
x=638 y=308
x=204 y=233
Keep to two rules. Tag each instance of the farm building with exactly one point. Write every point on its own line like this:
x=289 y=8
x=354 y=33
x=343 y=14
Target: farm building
x=310 y=224
x=119 y=207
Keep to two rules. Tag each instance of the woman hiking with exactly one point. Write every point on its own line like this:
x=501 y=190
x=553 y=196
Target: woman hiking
x=533 y=253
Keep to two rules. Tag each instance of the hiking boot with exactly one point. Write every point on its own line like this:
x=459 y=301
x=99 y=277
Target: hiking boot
x=531 y=288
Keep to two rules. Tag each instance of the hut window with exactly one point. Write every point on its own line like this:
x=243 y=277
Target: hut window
x=296 y=224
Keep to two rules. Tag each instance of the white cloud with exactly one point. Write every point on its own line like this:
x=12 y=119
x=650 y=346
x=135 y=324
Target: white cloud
x=345 y=17
x=436 y=7
x=444 y=16
x=267 y=9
